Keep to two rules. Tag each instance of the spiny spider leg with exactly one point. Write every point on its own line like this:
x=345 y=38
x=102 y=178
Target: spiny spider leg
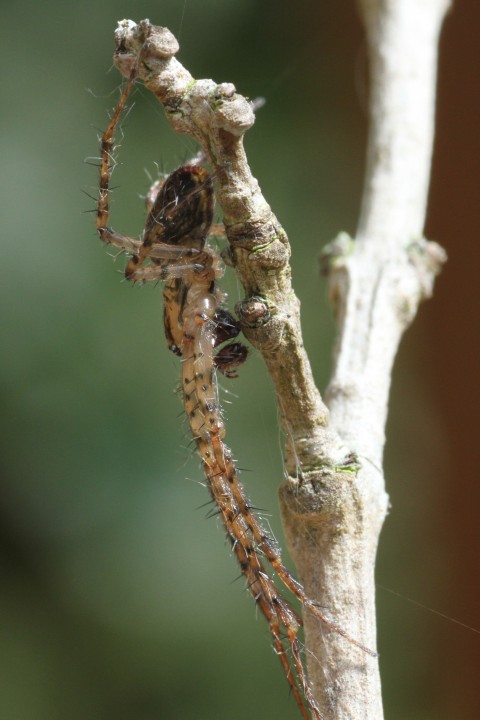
x=275 y=610
x=162 y=272
x=106 y=159
x=158 y=251
x=202 y=409
x=154 y=249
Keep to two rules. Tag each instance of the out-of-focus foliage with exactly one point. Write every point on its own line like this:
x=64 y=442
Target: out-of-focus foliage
x=117 y=601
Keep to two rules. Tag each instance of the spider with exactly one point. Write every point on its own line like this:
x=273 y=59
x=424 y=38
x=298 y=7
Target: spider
x=179 y=220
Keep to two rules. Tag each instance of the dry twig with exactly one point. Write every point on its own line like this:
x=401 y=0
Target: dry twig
x=333 y=500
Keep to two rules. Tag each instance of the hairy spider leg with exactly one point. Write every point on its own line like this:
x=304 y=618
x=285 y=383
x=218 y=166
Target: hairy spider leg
x=204 y=416
x=106 y=161
x=276 y=612
x=268 y=547
x=162 y=251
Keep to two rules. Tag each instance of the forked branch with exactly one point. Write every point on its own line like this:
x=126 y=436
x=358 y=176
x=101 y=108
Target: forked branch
x=333 y=500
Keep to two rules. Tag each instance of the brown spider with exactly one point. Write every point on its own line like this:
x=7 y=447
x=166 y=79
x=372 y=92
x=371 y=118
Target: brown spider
x=179 y=219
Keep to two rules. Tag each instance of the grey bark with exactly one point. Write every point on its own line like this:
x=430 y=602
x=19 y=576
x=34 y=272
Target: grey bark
x=333 y=500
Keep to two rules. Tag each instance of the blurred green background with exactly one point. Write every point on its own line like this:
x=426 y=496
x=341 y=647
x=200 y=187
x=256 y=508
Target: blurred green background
x=117 y=600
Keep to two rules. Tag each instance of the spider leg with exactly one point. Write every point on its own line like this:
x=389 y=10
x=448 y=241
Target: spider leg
x=274 y=625
x=162 y=272
x=164 y=251
x=196 y=263
x=157 y=252
x=275 y=610
x=122 y=242
x=106 y=160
